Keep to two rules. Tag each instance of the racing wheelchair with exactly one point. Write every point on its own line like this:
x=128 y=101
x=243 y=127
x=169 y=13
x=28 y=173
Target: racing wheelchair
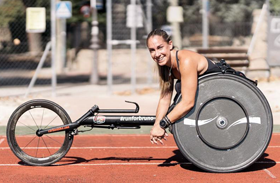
x=227 y=130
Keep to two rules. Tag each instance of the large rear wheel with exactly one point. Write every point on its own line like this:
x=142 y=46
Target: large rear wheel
x=229 y=127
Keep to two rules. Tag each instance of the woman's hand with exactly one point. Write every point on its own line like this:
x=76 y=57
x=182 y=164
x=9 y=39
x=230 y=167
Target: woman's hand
x=157 y=134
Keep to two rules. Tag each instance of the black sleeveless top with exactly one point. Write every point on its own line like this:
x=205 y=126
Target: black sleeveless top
x=212 y=67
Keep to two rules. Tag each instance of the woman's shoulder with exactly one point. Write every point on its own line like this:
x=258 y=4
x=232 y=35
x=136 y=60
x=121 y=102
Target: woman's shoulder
x=187 y=55
x=185 y=52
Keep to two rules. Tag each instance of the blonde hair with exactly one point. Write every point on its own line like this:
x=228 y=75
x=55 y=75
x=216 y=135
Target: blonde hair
x=165 y=81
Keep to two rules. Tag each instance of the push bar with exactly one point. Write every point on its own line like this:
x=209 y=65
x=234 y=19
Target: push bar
x=136 y=110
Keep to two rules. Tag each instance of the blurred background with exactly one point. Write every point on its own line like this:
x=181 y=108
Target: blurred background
x=103 y=42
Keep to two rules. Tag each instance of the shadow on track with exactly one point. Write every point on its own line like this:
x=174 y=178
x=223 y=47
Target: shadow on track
x=176 y=159
x=172 y=161
x=262 y=163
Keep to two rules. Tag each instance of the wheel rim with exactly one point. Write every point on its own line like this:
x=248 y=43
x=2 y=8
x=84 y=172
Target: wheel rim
x=29 y=147
x=222 y=125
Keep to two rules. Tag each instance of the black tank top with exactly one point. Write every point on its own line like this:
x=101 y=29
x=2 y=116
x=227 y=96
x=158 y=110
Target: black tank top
x=211 y=68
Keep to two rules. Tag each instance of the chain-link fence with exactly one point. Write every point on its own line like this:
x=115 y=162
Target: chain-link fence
x=220 y=34
x=20 y=51
x=120 y=31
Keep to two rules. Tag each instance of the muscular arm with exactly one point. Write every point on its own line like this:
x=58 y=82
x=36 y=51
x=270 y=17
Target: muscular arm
x=163 y=105
x=189 y=74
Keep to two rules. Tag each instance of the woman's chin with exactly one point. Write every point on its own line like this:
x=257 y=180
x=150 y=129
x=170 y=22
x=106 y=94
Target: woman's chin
x=161 y=63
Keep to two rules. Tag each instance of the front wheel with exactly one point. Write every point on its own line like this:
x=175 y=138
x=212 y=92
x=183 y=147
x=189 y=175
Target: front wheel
x=21 y=132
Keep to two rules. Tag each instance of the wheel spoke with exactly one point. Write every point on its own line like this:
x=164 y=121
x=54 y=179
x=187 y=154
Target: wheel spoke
x=42 y=118
x=33 y=119
x=46 y=145
x=27 y=126
x=38 y=146
x=29 y=142
x=50 y=122
x=28 y=134
x=54 y=140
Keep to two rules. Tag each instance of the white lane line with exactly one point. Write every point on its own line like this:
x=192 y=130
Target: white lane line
x=141 y=147
x=10 y=165
x=2 y=140
x=129 y=147
x=133 y=164
x=269 y=173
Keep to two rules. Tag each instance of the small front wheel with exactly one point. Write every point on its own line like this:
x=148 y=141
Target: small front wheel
x=21 y=132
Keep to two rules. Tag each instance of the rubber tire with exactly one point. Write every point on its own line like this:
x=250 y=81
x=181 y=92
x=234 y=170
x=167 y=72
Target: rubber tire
x=184 y=150
x=11 y=137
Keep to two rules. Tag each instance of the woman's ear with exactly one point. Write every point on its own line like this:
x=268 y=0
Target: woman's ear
x=170 y=43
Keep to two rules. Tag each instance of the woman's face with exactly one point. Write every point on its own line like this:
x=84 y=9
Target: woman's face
x=159 y=49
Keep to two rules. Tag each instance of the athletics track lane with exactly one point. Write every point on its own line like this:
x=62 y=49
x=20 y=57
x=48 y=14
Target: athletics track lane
x=131 y=158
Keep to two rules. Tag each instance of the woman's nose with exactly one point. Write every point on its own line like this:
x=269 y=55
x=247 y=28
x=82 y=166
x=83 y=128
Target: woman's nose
x=157 y=54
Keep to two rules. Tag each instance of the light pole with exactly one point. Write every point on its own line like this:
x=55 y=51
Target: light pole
x=205 y=26
x=94 y=40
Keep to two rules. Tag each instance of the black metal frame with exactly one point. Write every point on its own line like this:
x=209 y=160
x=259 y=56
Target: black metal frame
x=94 y=120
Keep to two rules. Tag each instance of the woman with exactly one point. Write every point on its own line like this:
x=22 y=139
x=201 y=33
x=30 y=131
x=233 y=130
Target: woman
x=183 y=65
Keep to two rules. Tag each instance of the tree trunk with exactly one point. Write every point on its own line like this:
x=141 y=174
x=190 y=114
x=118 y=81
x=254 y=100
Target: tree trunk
x=34 y=43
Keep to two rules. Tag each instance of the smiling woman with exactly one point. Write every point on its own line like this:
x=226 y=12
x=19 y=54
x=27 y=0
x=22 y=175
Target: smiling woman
x=184 y=65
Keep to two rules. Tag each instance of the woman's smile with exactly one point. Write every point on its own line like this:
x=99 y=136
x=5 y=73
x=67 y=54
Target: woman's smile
x=160 y=59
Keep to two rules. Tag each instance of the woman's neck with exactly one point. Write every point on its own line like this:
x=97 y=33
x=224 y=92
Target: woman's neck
x=173 y=62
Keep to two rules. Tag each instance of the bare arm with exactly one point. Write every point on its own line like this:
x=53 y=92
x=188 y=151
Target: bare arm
x=163 y=105
x=157 y=133
x=188 y=89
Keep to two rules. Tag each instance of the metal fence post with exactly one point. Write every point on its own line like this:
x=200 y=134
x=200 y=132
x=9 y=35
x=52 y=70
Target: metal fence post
x=149 y=29
x=109 y=44
x=53 y=40
x=133 y=47
x=39 y=67
x=205 y=27
x=94 y=40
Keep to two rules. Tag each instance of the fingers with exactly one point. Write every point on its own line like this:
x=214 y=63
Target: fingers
x=165 y=136
x=155 y=139
x=160 y=141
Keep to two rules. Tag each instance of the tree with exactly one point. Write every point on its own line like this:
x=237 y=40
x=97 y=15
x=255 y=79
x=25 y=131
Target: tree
x=13 y=15
x=222 y=11
x=10 y=10
x=275 y=7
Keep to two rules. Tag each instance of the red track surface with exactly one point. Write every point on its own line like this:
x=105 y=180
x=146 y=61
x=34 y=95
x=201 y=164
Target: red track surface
x=131 y=158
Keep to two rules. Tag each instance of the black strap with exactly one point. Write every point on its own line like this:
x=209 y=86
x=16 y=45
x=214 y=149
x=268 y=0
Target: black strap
x=226 y=69
x=177 y=60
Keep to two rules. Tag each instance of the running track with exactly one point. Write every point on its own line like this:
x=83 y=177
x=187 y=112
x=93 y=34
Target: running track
x=131 y=158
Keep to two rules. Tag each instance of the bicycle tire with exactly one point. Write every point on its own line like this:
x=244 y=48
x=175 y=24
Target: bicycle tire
x=21 y=132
